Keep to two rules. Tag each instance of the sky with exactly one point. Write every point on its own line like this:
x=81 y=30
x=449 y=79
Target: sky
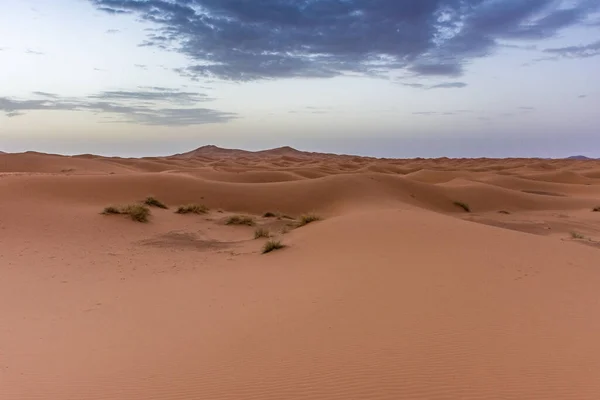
x=385 y=78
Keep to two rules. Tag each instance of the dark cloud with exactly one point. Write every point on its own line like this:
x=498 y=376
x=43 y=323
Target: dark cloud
x=153 y=107
x=246 y=40
x=585 y=51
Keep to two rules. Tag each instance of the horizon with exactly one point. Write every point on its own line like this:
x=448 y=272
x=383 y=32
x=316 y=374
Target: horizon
x=388 y=79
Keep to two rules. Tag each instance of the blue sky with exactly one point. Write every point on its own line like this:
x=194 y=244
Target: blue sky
x=393 y=78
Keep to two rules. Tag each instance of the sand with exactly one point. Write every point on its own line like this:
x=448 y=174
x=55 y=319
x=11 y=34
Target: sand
x=397 y=293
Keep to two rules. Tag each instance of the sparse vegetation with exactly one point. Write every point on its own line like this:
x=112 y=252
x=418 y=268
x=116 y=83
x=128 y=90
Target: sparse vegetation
x=287 y=217
x=596 y=209
x=307 y=219
x=269 y=214
x=261 y=233
x=137 y=212
x=575 y=235
x=503 y=212
x=192 y=209
x=272 y=245
x=240 y=220
x=111 y=210
x=154 y=202
x=462 y=205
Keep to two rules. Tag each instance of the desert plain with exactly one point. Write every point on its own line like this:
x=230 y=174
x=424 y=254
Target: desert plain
x=420 y=278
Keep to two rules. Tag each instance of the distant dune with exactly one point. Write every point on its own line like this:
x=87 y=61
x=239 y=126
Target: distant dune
x=421 y=278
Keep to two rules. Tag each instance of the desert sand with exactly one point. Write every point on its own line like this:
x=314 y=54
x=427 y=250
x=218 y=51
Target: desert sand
x=396 y=293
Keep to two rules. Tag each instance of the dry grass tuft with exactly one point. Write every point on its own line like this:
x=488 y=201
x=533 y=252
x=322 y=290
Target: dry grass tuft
x=261 y=233
x=240 y=220
x=307 y=219
x=272 y=245
x=137 y=212
x=154 y=202
x=192 y=209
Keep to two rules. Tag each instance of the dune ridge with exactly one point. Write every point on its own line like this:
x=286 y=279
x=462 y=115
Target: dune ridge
x=396 y=292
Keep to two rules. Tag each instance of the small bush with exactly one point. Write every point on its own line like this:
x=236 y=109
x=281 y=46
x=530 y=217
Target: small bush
x=503 y=212
x=272 y=245
x=153 y=202
x=307 y=219
x=240 y=220
x=261 y=233
x=462 y=205
x=137 y=212
x=596 y=209
x=269 y=215
x=111 y=210
x=575 y=235
x=192 y=209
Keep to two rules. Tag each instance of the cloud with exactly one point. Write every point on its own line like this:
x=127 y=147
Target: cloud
x=526 y=109
x=270 y=39
x=141 y=66
x=46 y=94
x=34 y=52
x=112 y=31
x=449 y=85
x=582 y=96
x=585 y=51
x=443 y=85
x=148 y=107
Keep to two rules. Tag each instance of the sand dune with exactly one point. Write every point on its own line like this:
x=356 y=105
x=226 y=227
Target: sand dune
x=397 y=293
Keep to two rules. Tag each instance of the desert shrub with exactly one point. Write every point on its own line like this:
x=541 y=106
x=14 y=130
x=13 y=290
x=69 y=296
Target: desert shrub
x=154 y=202
x=307 y=219
x=111 y=210
x=137 y=212
x=272 y=245
x=269 y=214
x=261 y=233
x=575 y=235
x=192 y=209
x=462 y=205
x=240 y=220
x=596 y=209
x=503 y=212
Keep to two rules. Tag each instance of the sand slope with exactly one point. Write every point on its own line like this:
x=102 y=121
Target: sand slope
x=396 y=294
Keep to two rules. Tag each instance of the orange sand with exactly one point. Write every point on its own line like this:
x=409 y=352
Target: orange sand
x=396 y=294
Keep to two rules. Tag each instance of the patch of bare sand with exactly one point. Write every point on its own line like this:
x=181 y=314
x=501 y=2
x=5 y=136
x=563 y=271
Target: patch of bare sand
x=385 y=298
